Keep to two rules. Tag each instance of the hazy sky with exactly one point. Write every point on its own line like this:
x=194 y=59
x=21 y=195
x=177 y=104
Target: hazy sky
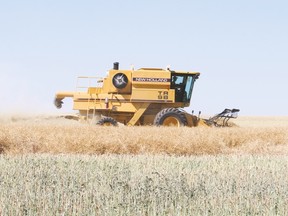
x=240 y=48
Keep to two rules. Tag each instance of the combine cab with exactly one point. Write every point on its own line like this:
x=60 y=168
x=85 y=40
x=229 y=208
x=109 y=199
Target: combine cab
x=147 y=96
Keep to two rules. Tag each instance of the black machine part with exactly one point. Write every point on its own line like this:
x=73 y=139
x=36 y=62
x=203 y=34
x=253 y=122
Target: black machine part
x=221 y=119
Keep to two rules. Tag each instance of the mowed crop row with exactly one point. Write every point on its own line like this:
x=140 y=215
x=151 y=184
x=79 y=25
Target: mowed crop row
x=34 y=137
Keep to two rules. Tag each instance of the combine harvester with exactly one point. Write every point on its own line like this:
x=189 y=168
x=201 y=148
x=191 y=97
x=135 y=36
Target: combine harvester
x=147 y=96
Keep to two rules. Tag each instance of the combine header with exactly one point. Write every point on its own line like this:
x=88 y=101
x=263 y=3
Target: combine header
x=147 y=96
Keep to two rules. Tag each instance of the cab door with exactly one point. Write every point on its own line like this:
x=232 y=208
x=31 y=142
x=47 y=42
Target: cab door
x=183 y=85
x=178 y=82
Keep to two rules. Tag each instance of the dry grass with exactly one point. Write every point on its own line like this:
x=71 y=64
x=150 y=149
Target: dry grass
x=52 y=135
x=241 y=170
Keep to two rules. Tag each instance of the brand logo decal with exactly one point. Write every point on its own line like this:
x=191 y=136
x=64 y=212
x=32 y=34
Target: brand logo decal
x=146 y=79
x=120 y=80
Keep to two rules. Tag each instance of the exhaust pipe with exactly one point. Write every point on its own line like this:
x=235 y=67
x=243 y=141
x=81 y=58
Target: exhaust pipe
x=116 y=66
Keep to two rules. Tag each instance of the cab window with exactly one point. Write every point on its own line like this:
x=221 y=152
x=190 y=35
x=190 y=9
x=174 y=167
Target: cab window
x=183 y=85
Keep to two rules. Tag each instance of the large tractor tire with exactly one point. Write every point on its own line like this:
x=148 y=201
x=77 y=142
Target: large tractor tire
x=170 y=117
x=107 y=121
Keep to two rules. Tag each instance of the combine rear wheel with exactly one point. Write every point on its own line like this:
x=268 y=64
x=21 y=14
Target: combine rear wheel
x=107 y=121
x=170 y=117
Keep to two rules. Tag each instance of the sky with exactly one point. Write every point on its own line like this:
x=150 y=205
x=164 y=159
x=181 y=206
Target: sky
x=239 y=47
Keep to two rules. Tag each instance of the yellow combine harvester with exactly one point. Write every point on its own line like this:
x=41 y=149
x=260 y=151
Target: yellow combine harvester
x=147 y=96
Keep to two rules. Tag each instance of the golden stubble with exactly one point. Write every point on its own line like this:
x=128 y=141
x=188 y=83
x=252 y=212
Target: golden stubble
x=55 y=136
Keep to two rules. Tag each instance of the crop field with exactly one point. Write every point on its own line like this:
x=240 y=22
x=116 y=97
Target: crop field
x=52 y=166
x=56 y=135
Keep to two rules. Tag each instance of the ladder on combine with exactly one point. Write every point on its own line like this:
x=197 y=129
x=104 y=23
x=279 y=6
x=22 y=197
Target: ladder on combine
x=82 y=86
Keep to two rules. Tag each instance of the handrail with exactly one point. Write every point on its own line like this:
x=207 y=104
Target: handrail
x=93 y=81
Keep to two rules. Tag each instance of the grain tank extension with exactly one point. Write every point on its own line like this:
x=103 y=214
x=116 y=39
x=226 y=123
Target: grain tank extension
x=147 y=96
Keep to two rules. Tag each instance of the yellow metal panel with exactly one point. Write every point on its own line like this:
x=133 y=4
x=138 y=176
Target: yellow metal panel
x=186 y=72
x=61 y=95
x=94 y=90
x=124 y=107
x=153 y=95
x=151 y=79
x=100 y=104
x=138 y=114
x=112 y=88
x=106 y=85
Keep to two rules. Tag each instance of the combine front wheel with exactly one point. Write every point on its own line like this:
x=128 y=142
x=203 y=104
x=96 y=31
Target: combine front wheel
x=170 y=117
x=107 y=121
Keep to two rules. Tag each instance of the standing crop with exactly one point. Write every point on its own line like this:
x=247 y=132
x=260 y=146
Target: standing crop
x=143 y=185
